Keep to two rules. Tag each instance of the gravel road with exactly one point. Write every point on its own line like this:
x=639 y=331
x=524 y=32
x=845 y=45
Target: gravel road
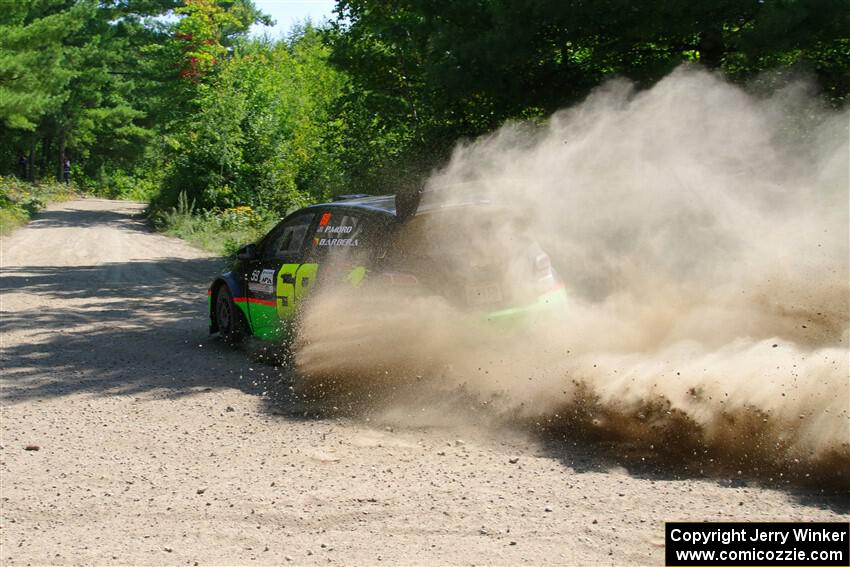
x=154 y=445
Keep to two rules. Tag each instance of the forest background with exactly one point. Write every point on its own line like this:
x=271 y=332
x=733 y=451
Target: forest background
x=173 y=102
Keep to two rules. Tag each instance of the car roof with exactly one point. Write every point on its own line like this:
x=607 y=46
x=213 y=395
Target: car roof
x=386 y=204
x=380 y=203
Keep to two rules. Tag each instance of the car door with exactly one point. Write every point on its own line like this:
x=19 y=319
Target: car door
x=279 y=277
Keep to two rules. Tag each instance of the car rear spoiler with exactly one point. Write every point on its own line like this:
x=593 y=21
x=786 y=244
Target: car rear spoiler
x=349 y=197
x=407 y=203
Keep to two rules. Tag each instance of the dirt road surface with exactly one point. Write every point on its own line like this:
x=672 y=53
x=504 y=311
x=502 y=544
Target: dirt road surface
x=155 y=446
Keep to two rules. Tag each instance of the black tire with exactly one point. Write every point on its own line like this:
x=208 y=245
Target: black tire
x=231 y=327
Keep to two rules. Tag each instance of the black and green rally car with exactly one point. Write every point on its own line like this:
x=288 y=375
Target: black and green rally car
x=358 y=239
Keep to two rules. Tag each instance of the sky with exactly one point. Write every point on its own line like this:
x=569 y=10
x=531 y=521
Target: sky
x=289 y=12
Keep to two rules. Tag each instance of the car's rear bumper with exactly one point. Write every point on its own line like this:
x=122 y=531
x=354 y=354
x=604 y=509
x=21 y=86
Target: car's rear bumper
x=550 y=301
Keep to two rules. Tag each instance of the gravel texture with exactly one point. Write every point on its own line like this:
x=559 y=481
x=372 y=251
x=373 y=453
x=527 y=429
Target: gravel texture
x=119 y=445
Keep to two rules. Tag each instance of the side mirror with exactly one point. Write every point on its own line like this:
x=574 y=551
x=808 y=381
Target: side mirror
x=247 y=252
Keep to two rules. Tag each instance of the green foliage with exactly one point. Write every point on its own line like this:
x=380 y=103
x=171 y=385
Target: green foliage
x=33 y=59
x=63 y=59
x=202 y=34
x=262 y=134
x=20 y=200
x=437 y=72
x=96 y=81
x=139 y=184
x=219 y=231
x=167 y=101
x=11 y=218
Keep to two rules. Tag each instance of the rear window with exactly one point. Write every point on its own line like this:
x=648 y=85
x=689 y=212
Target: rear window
x=460 y=237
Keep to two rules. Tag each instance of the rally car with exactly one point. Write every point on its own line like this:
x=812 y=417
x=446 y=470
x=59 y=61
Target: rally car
x=409 y=242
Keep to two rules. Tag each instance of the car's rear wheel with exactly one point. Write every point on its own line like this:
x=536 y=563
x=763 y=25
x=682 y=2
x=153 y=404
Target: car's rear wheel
x=231 y=327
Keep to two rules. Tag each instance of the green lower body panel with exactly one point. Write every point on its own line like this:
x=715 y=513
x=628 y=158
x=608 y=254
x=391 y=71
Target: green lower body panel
x=548 y=302
x=265 y=322
x=243 y=307
x=262 y=318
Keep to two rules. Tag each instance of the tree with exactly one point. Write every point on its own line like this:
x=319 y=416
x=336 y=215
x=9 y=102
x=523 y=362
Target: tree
x=462 y=68
x=33 y=60
x=263 y=133
x=94 y=78
x=57 y=92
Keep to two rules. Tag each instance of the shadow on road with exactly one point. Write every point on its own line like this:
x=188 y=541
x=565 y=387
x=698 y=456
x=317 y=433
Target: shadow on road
x=136 y=328
x=824 y=488
x=116 y=328
x=130 y=218
x=163 y=279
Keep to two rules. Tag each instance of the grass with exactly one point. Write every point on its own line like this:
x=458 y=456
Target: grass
x=219 y=231
x=20 y=200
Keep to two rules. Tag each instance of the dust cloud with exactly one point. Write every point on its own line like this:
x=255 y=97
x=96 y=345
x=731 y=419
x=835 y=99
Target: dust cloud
x=701 y=232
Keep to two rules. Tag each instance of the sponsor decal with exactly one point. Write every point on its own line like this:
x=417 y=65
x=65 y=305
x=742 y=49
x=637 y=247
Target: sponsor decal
x=261 y=281
x=338 y=229
x=339 y=242
x=261 y=287
x=286 y=292
x=267 y=277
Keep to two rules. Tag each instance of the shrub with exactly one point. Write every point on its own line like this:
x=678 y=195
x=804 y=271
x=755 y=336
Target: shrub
x=220 y=231
x=20 y=200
